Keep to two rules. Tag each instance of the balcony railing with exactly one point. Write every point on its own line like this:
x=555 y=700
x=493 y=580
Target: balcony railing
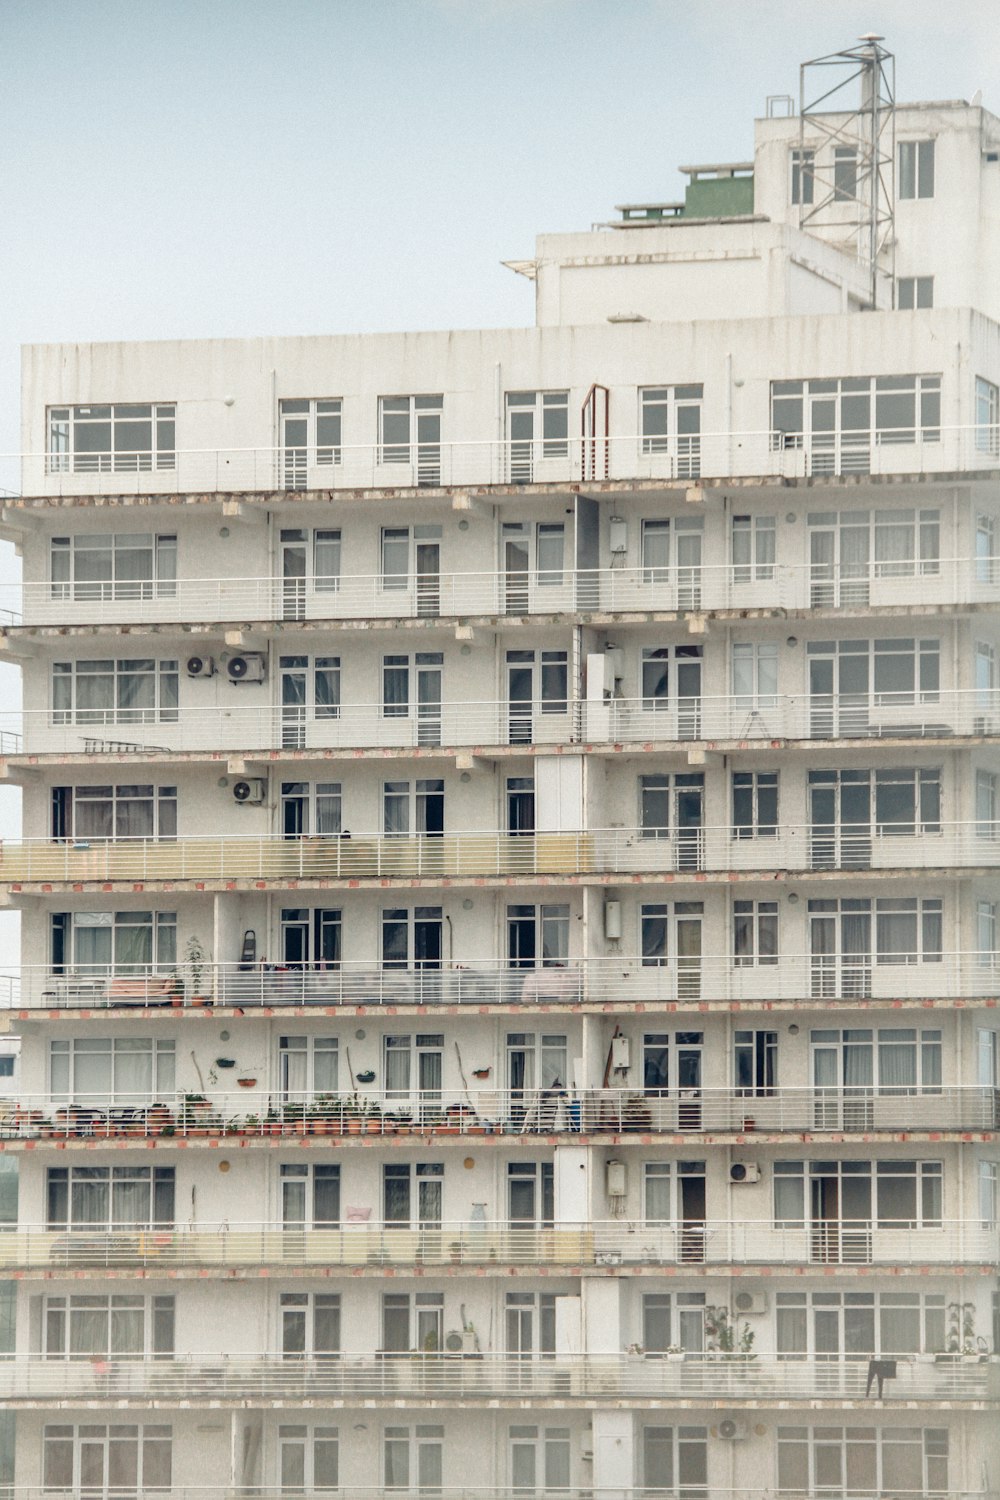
x=480 y=1112
x=763 y=453
x=763 y=586
x=724 y=718
x=227 y=1247
x=621 y=980
x=490 y=1377
x=613 y=851
x=238 y=1491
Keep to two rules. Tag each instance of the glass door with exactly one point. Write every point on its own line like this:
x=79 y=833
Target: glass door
x=428 y=428
x=688 y=929
x=520 y=696
x=294 y=440
x=429 y=666
x=688 y=569
x=428 y=572
x=688 y=823
x=516 y=569
x=294 y=561
x=822 y=434
x=688 y=673
x=294 y=675
x=688 y=1055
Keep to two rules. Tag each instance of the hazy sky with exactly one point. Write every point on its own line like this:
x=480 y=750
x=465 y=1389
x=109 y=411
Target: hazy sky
x=188 y=168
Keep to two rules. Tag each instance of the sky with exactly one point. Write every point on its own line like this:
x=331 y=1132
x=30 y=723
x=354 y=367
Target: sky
x=202 y=168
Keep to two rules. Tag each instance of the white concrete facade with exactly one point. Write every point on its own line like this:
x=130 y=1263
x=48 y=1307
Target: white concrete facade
x=510 y=888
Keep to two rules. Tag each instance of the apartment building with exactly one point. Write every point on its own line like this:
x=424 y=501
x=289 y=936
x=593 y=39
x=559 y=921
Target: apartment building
x=509 y=891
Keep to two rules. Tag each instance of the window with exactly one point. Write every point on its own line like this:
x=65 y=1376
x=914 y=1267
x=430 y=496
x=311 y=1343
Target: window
x=311 y=936
x=654 y=806
x=673 y=807
x=655 y=551
x=835 y=418
x=857 y=676
x=113 y=566
x=411 y=937
x=530 y=1194
x=670 y=423
x=110 y=1198
x=755 y=675
x=803 y=179
x=114 y=812
x=862 y=1460
x=536 y=1061
x=6 y=1065
x=141 y=691
x=539 y=1459
x=412 y=1322
x=413 y=1064
x=657 y=943
x=99 y=1460
x=755 y=933
x=108 y=1327
x=309 y=432
x=825 y=1324
x=307 y=1065
x=989 y=1202
x=310 y=1195
x=673 y=1318
x=308 y=1459
x=310 y=1325
x=120 y=1070
x=656 y=1192
x=412 y=1197
x=986 y=933
x=906 y=1194
x=909 y=1194
x=537 y=428
x=307 y=691
x=530 y=1323
x=411 y=689
x=408 y=552
x=655 y=684
x=675 y=1460
x=845 y=172
x=411 y=1458
x=311 y=809
x=120 y=942
x=755 y=1062
x=916 y=169
x=537 y=936
x=987 y=416
x=412 y=807
x=914 y=292
x=410 y=433
x=754 y=544
x=111 y=439
x=755 y=804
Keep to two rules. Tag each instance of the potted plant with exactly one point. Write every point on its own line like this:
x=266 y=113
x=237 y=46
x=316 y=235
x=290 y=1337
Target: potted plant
x=726 y=1336
x=195 y=959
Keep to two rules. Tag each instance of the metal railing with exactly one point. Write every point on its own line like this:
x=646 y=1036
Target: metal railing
x=703 y=587
x=490 y=1377
x=619 y=1242
x=458 y=1110
x=233 y=726
x=719 y=850
x=622 y=980
x=763 y=453
x=239 y=1491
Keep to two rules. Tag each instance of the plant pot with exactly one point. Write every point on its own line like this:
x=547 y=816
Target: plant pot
x=247 y=1083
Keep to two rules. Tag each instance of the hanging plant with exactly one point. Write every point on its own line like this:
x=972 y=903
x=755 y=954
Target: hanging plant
x=225 y=1062
x=368 y=1076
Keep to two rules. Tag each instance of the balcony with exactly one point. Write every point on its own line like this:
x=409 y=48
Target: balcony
x=449 y=1492
x=766 y=587
x=502 y=1112
x=491 y=1378
x=501 y=1246
x=636 y=721
x=722 y=455
x=490 y=854
x=800 y=979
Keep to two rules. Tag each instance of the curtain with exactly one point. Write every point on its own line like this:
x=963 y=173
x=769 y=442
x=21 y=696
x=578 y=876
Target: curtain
x=130 y=1203
x=397 y=1067
x=897 y=1063
x=397 y=1462
x=899 y=1323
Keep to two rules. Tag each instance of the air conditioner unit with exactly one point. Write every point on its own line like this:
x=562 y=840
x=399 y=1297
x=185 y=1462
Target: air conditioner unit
x=750 y=1304
x=253 y=792
x=744 y=1171
x=250 y=667
x=201 y=666
x=453 y=1341
x=732 y=1432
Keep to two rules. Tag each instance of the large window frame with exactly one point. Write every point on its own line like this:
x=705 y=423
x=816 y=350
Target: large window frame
x=916 y=169
x=139 y=690
x=119 y=438
x=109 y=1199
x=113 y=565
x=115 y=813
x=116 y=1070
x=310 y=432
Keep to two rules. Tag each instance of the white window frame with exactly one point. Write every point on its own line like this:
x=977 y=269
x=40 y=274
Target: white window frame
x=156 y=1322
x=322 y=443
x=303 y=1308
x=751 y=921
x=66 y=425
x=161 y=676
x=914 y=293
x=307 y=1065
x=67 y=554
x=66 y=1060
x=916 y=169
x=305 y=1439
